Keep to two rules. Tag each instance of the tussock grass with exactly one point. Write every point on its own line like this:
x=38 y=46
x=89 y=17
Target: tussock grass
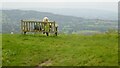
x=63 y=50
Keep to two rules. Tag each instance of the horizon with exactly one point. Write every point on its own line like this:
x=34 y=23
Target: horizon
x=88 y=10
x=60 y=14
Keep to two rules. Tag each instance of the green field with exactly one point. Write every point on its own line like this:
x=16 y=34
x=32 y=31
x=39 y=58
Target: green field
x=0 y=50
x=63 y=50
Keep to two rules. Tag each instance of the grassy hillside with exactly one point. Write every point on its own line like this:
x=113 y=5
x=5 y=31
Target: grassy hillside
x=0 y=50
x=63 y=50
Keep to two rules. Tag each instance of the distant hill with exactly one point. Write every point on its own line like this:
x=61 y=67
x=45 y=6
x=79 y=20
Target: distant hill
x=67 y=24
x=85 y=13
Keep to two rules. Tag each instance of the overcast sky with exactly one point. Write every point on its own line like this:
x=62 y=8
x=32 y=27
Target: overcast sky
x=59 y=0
x=109 y=5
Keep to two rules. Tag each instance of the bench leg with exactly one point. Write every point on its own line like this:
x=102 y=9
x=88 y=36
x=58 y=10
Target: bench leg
x=24 y=33
x=55 y=33
x=47 y=33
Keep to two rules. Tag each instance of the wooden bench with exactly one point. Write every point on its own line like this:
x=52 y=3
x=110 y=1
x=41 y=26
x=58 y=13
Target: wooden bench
x=38 y=26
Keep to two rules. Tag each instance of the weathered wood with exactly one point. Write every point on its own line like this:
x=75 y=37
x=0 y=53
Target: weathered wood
x=29 y=26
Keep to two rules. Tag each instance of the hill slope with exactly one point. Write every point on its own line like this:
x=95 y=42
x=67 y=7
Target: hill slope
x=63 y=50
x=67 y=24
x=85 y=13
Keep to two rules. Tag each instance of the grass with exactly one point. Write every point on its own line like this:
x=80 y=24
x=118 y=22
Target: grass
x=63 y=50
x=0 y=50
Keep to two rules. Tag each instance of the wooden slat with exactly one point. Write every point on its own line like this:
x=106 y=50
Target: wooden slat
x=28 y=26
x=37 y=21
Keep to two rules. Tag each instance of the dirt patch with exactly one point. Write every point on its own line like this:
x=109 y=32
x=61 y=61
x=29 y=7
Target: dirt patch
x=46 y=63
